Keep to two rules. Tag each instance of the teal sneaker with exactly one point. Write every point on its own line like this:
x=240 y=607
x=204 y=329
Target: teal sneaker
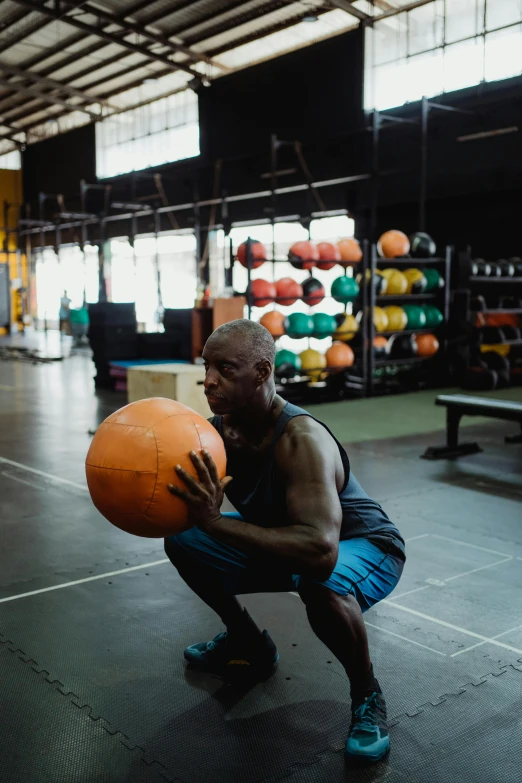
x=235 y=660
x=368 y=739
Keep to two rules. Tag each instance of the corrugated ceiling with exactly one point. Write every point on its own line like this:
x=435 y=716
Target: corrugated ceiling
x=58 y=56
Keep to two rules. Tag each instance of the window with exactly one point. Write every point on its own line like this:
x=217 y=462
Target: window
x=162 y=131
x=442 y=46
x=11 y=160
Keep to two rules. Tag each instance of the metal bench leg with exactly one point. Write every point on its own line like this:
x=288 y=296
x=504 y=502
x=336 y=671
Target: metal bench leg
x=452 y=448
x=514 y=438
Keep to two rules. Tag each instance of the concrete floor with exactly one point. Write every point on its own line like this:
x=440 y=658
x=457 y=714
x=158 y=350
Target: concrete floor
x=93 y=621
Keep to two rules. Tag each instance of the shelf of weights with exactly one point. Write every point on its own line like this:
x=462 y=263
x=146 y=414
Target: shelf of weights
x=384 y=374
x=494 y=291
x=340 y=382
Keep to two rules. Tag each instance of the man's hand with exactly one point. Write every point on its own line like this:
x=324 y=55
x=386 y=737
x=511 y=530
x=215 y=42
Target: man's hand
x=206 y=495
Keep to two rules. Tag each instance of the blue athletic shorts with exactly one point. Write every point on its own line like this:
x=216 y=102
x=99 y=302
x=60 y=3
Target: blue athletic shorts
x=363 y=570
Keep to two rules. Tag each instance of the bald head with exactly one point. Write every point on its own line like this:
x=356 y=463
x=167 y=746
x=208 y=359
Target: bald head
x=249 y=341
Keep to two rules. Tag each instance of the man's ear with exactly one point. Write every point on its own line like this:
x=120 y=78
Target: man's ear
x=263 y=371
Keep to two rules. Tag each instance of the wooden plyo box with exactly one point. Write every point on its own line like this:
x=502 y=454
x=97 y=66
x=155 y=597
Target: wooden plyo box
x=180 y=382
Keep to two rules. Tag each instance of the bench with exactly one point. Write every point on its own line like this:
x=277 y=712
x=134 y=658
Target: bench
x=458 y=405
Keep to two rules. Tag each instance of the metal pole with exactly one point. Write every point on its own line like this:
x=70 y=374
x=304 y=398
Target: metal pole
x=273 y=184
x=375 y=175
x=364 y=322
x=371 y=324
x=425 y=109
x=157 y=263
x=250 y=298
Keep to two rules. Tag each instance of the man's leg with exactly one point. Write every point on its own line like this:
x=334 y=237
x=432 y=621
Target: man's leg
x=207 y=586
x=338 y=622
x=363 y=576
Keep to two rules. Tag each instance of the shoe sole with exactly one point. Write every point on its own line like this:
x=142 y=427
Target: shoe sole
x=362 y=759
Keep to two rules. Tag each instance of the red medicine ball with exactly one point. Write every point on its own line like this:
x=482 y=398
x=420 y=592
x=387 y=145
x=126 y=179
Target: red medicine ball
x=263 y=292
x=329 y=255
x=303 y=255
x=288 y=291
x=313 y=291
x=258 y=254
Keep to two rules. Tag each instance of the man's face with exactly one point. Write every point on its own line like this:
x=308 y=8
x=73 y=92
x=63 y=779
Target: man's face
x=231 y=380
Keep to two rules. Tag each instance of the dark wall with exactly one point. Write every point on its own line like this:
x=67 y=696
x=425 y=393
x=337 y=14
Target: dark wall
x=307 y=95
x=57 y=165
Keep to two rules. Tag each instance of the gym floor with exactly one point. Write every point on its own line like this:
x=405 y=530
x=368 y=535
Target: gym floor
x=93 y=621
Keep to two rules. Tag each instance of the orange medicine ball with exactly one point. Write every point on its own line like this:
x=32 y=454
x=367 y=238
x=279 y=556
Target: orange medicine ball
x=131 y=462
x=350 y=251
x=339 y=355
x=393 y=244
x=274 y=321
x=427 y=344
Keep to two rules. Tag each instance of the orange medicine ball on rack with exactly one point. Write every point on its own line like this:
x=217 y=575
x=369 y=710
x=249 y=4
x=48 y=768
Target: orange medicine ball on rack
x=339 y=355
x=350 y=251
x=393 y=244
x=274 y=321
x=131 y=461
x=427 y=344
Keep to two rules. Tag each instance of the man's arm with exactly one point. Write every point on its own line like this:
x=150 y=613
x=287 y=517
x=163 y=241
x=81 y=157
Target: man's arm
x=307 y=459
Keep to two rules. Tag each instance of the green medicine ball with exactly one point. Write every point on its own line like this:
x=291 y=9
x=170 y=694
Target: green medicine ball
x=433 y=315
x=433 y=279
x=415 y=315
x=324 y=325
x=287 y=364
x=345 y=289
x=299 y=325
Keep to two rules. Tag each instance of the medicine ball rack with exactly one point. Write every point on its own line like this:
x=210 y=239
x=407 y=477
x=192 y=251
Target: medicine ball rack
x=341 y=384
x=429 y=366
x=427 y=369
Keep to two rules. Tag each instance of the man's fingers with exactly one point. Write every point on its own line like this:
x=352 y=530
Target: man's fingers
x=225 y=482
x=201 y=468
x=192 y=483
x=211 y=466
x=180 y=493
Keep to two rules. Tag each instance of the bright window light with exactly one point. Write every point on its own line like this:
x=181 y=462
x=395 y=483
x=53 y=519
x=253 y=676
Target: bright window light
x=440 y=47
x=160 y=132
x=11 y=160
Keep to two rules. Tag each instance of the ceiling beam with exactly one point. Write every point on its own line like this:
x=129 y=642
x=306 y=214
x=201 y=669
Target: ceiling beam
x=346 y=5
x=131 y=27
x=111 y=37
x=52 y=99
x=46 y=82
x=403 y=9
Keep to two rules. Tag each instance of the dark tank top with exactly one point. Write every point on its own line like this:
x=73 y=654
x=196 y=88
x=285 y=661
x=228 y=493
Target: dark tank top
x=260 y=497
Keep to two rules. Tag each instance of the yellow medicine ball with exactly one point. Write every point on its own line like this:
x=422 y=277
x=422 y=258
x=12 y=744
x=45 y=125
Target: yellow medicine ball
x=397 y=318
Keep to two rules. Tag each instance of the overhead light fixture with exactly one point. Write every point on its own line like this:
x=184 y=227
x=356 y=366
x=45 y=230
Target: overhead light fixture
x=310 y=18
x=150 y=80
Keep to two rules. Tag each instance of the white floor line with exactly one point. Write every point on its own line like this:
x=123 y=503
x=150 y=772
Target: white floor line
x=410 y=592
x=450 y=625
x=50 y=476
x=21 y=480
x=479 y=644
x=416 y=538
x=82 y=581
x=474 y=570
x=473 y=546
x=404 y=638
